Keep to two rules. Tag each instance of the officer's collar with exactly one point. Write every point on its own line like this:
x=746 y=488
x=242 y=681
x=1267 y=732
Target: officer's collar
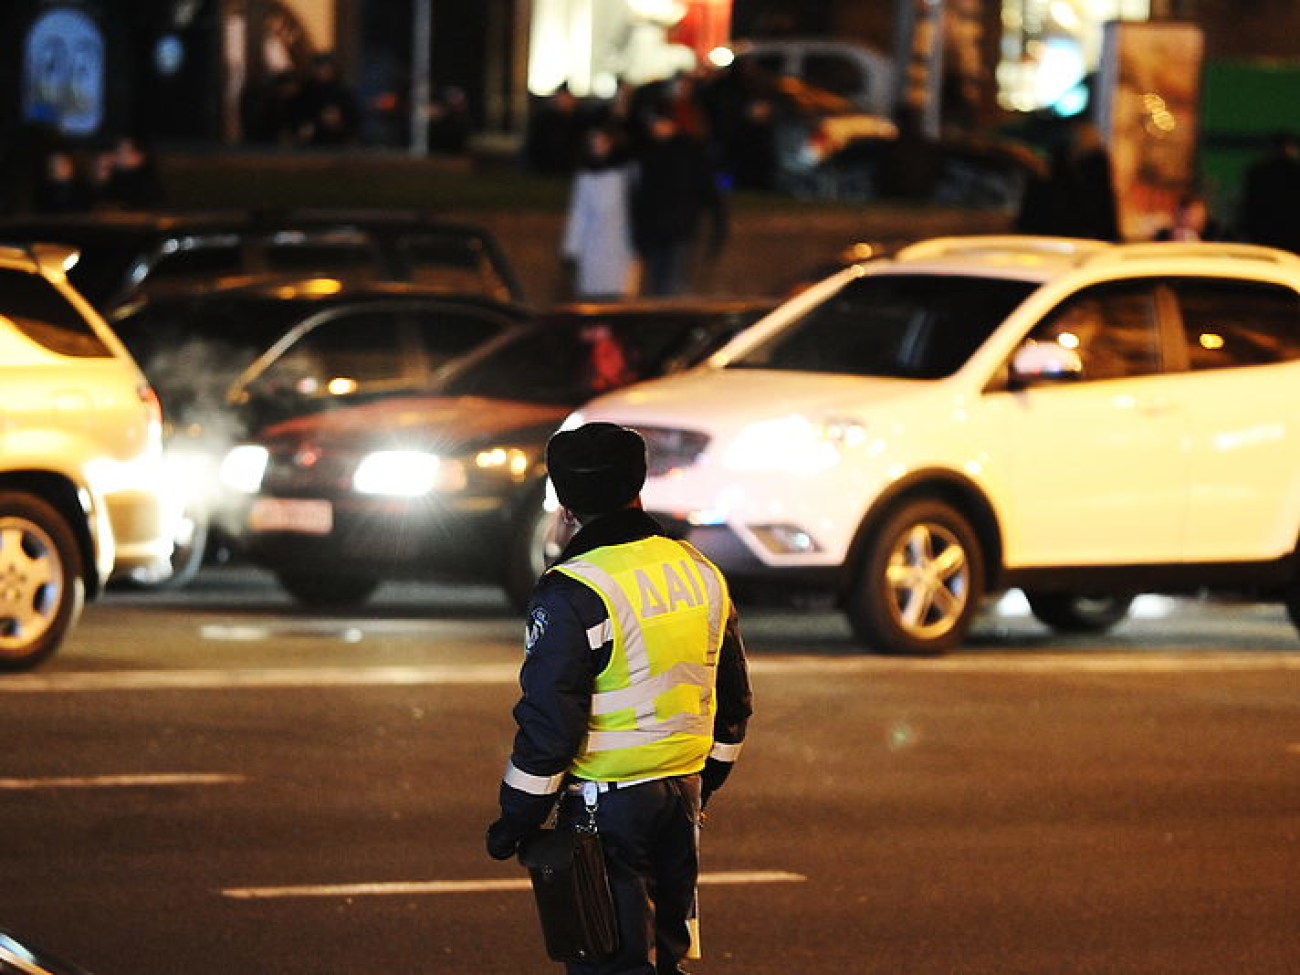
x=615 y=528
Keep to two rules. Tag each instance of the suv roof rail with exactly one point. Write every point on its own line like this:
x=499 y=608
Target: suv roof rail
x=1004 y=246
x=1207 y=250
x=52 y=259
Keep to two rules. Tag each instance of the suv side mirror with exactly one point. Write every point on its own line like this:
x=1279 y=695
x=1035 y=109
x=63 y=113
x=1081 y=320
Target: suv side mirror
x=1044 y=362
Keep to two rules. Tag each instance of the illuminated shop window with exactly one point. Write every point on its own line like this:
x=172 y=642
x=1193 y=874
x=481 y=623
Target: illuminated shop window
x=1050 y=46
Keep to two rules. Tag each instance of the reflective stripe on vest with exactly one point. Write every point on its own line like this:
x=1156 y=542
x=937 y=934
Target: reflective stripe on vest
x=667 y=585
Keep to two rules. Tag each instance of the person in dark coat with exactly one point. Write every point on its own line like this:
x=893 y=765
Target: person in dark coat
x=1077 y=196
x=325 y=111
x=553 y=145
x=1270 y=201
x=675 y=194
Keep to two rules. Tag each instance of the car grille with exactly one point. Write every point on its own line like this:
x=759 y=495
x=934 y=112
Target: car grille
x=669 y=449
x=298 y=468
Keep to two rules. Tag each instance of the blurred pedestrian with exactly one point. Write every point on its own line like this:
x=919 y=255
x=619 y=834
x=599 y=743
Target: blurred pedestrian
x=598 y=225
x=132 y=179
x=449 y=121
x=62 y=187
x=676 y=192
x=553 y=144
x=269 y=109
x=1190 y=220
x=325 y=111
x=742 y=103
x=1270 y=199
x=1077 y=197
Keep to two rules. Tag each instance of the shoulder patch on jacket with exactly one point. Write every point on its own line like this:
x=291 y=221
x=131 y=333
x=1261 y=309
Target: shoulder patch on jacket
x=535 y=628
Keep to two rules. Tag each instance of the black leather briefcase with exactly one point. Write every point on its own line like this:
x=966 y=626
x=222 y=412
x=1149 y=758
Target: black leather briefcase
x=572 y=892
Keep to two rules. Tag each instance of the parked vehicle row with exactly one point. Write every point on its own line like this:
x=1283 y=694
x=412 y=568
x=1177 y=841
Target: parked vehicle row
x=131 y=256
x=1081 y=420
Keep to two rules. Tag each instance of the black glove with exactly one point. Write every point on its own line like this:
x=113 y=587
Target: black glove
x=711 y=778
x=504 y=837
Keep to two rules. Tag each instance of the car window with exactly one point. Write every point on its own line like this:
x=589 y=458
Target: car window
x=341 y=356
x=1238 y=323
x=319 y=255
x=543 y=365
x=905 y=326
x=44 y=315
x=834 y=73
x=452 y=261
x=444 y=334
x=223 y=256
x=1113 y=328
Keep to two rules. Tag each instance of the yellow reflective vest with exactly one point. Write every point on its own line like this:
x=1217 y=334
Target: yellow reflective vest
x=653 y=705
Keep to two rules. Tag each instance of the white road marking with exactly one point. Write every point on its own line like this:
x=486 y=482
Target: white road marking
x=190 y=680
x=508 y=673
x=118 y=781
x=473 y=886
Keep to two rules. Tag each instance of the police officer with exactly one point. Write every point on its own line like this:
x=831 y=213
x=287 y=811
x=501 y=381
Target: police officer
x=635 y=696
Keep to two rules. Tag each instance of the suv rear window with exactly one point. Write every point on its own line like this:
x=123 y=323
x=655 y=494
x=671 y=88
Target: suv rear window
x=901 y=326
x=1238 y=323
x=41 y=313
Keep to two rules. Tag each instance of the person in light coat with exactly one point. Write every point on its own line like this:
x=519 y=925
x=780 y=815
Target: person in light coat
x=598 y=226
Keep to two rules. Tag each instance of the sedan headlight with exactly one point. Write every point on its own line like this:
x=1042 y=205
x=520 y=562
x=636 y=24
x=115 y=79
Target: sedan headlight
x=243 y=467
x=407 y=474
x=794 y=443
x=510 y=461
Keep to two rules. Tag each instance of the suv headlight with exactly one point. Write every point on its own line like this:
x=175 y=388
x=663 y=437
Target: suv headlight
x=794 y=443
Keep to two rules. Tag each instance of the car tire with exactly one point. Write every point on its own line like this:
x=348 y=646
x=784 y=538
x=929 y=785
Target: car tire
x=1069 y=612
x=534 y=546
x=328 y=591
x=41 y=585
x=919 y=580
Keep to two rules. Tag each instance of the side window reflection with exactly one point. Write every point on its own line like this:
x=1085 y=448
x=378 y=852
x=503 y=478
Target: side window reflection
x=1113 y=329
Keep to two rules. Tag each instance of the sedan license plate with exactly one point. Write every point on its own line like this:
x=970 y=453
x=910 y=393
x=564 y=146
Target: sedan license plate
x=291 y=515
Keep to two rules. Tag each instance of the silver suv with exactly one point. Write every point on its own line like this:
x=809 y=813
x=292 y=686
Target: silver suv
x=81 y=486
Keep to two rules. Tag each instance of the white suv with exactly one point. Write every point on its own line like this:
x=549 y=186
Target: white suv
x=1084 y=421
x=81 y=485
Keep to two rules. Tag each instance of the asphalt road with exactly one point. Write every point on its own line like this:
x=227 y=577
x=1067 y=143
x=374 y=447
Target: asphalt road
x=211 y=782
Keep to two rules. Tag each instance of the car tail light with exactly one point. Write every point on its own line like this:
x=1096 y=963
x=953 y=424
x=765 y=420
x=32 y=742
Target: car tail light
x=153 y=407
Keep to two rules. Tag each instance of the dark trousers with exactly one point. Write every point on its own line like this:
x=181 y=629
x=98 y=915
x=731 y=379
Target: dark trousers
x=667 y=268
x=650 y=839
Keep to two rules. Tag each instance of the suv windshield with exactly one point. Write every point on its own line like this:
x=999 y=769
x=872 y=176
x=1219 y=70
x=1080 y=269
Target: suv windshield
x=899 y=326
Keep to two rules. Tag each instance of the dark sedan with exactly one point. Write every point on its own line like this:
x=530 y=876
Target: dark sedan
x=447 y=483
x=391 y=336
x=128 y=255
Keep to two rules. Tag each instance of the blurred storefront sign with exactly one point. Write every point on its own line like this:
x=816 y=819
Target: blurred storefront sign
x=63 y=71
x=1148 y=96
x=1049 y=47
x=592 y=45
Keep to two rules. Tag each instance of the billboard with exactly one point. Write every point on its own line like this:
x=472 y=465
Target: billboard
x=1148 y=102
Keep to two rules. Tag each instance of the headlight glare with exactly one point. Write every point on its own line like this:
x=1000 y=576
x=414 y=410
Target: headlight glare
x=400 y=473
x=794 y=443
x=508 y=460
x=243 y=467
